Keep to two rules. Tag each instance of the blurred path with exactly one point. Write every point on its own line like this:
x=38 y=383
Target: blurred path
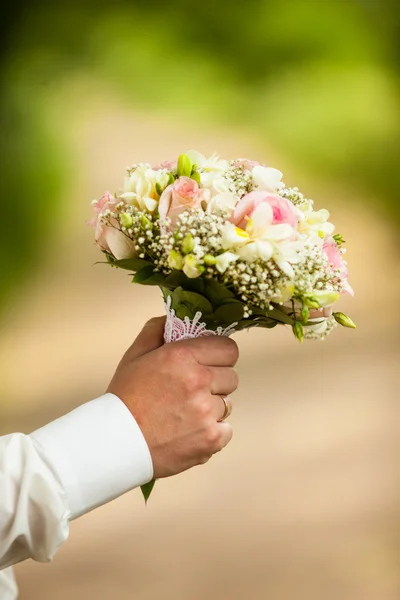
x=304 y=505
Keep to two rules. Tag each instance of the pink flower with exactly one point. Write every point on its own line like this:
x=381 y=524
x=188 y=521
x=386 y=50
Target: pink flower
x=178 y=197
x=246 y=164
x=284 y=212
x=106 y=201
x=169 y=165
x=108 y=237
x=336 y=260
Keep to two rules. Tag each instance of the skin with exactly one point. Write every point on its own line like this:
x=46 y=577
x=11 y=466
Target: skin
x=174 y=393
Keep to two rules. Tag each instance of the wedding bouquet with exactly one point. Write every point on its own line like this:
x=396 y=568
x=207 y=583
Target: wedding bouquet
x=230 y=246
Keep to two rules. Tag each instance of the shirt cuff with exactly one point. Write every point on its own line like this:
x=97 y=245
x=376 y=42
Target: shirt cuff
x=98 y=452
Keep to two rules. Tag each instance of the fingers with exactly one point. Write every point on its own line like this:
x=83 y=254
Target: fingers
x=320 y=313
x=150 y=338
x=217 y=351
x=224 y=380
x=226 y=434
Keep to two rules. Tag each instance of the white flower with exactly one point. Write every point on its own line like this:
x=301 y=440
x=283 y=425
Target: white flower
x=211 y=171
x=224 y=260
x=319 y=327
x=140 y=188
x=263 y=240
x=267 y=179
x=314 y=221
x=226 y=202
x=191 y=268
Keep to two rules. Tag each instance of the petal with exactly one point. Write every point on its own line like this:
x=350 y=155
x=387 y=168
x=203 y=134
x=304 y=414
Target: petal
x=318 y=216
x=224 y=260
x=128 y=196
x=279 y=232
x=120 y=245
x=267 y=178
x=262 y=216
x=196 y=158
x=150 y=204
x=284 y=266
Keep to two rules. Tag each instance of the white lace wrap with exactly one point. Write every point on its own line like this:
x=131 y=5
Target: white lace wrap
x=177 y=329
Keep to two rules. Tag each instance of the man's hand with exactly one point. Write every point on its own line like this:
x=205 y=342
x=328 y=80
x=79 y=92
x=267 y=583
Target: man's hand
x=174 y=393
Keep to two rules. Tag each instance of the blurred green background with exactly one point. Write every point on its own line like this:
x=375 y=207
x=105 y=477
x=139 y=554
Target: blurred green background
x=317 y=80
x=304 y=504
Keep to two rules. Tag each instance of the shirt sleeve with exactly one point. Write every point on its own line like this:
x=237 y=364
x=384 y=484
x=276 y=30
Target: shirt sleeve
x=63 y=470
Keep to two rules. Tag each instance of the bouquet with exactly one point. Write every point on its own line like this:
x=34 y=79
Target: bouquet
x=229 y=245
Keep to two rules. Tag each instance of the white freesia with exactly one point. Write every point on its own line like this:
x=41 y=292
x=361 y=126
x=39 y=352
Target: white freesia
x=211 y=171
x=262 y=239
x=224 y=260
x=314 y=221
x=319 y=327
x=226 y=202
x=267 y=179
x=140 y=188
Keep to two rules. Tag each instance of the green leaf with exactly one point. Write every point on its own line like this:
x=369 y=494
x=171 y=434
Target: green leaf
x=159 y=189
x=267 y=323
x=229 y=312
x=175 y=279
x=184 y=166
x=280 y=316
x=216 y=292
x=132 y=264
x=195 y=301
x=147 y=488
x=147 y=276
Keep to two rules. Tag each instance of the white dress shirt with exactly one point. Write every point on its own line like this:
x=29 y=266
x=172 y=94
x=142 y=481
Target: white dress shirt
x=63 y=470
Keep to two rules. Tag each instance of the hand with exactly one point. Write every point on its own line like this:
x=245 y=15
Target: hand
x=173 y=391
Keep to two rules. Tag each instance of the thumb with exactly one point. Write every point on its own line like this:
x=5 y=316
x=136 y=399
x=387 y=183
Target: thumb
x=150 y=338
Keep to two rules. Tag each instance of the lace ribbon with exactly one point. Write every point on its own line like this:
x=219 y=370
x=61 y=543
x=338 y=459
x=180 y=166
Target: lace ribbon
x=177 y=329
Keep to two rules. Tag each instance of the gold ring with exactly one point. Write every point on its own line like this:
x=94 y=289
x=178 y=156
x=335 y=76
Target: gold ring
x=226 y=411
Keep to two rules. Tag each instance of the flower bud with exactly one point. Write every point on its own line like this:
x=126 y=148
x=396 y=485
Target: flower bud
x=184 y=166
x=344 y=320
x=146 y=223
x=305 y=314
x=312 y=302
x=187 y=244
x=196 y=176
x=297 y=329
x=175 y=260
x=191 y=268
x=126 y=220
x=210 y=260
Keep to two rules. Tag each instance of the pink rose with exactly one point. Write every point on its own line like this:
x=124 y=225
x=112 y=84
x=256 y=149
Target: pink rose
x=336 y=260
x=109 y=238
x=169 y=165
x=283 y=210
x=178 y=197
x=246 y=164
